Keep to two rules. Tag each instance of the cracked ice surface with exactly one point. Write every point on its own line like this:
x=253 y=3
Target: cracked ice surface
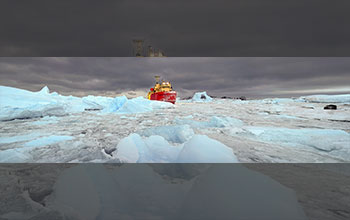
x=268 y=130
x=135 y=192
x=142 y=191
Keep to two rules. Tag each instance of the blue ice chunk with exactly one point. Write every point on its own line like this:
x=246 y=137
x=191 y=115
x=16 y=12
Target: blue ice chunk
x=202 y=149
x=201 y=97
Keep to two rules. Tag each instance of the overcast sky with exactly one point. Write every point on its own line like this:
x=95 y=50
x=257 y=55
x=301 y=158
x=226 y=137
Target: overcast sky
x=251 y=77
x=181 y=28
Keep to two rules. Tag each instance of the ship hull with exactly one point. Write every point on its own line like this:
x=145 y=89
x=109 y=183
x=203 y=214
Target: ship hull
x=164 y=96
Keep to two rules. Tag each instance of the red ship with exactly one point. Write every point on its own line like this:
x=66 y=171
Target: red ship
x=162 y=92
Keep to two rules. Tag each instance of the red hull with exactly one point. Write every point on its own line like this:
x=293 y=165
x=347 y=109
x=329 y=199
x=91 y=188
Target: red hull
x=164 y=96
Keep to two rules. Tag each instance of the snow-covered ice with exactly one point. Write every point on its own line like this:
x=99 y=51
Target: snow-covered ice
x=345 y=98
x=19 y=138
x=22 y=153
x=214 y=121
x=333 y=142
x=46 y=120
x=106 y=129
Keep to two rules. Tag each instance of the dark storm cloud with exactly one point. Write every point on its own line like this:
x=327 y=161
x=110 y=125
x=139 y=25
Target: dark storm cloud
x=252 y=77
x=182 y=28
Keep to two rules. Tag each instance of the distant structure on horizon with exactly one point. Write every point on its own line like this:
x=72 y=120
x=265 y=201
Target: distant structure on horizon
x=140 y=51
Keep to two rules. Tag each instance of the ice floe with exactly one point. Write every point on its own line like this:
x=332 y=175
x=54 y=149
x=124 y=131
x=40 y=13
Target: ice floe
x=334 y=142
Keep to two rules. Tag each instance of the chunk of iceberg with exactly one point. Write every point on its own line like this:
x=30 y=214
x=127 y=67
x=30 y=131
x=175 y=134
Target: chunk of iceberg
x=201 y=97
x=202 y=149
x=155 y=149
x=134 y=149
x=141 y=105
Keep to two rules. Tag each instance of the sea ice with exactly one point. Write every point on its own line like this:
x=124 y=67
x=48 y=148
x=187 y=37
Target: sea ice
x=19 y=138
x=47 y=140
x=214 y=121
x=335 y=142
x=46 y=120
x=22 y=153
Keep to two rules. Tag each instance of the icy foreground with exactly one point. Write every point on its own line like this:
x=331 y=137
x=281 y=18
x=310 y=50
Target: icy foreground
x=130 y=192
x=174 y=191
x=48 y=127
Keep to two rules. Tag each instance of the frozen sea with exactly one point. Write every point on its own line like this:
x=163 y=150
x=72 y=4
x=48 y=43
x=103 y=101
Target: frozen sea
x=44 y=127
x=47 y=127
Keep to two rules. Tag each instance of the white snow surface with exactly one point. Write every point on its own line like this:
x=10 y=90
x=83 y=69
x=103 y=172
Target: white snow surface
x=48 y=127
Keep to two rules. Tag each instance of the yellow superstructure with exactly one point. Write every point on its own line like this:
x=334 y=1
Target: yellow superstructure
x=164 y=86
